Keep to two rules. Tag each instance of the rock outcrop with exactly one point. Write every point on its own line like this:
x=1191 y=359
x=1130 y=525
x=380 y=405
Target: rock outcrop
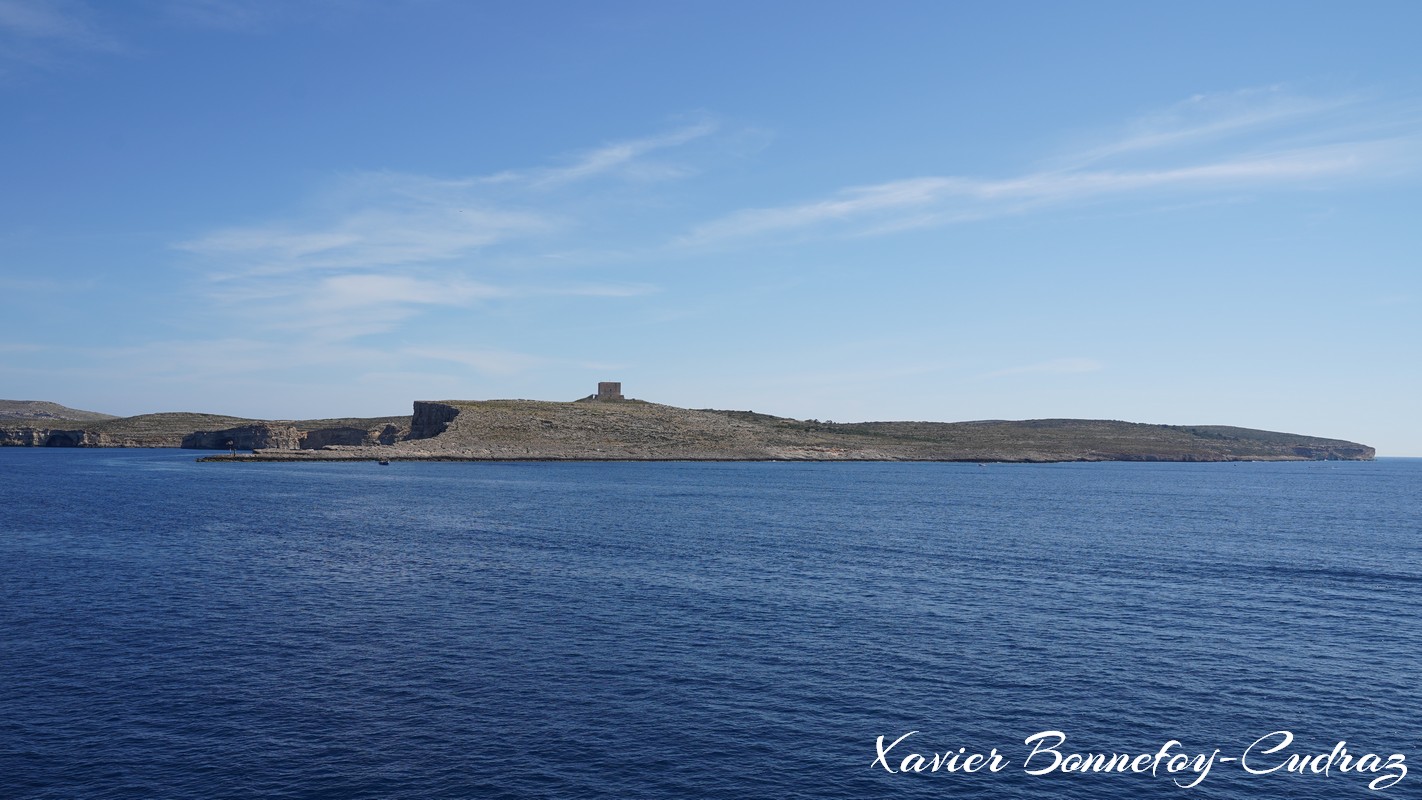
x=430 y=419
x=298 y=436
x=351 y=436
x=39 y=437
x=258 y=436
x=636 y=430
x=195 y=431
x=615 y=428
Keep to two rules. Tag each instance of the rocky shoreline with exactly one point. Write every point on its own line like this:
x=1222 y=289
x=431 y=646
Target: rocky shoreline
x=616 y=429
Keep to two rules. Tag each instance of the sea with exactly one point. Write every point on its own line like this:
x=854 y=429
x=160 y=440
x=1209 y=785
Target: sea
x=173 y=629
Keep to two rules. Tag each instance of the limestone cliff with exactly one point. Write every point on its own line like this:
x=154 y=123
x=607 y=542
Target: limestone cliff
x=195 y=431
x=599 y=428
x=322 y=438
x=256 y=436
x=636 y=430
x=430 y=419
x=39 y=437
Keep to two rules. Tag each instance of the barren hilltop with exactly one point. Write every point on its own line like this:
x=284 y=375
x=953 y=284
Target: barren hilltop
x=606 y=426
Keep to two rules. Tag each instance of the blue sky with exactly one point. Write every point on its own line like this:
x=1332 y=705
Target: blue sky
x=1201 y=213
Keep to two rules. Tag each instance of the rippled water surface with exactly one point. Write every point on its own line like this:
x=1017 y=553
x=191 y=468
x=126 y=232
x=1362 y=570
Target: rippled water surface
x=681 y=630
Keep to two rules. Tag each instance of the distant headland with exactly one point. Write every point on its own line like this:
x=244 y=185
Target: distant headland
x=606 y=426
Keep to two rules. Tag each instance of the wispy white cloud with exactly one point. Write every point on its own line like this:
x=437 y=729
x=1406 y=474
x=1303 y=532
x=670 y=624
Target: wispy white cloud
x=846 y=205
x=1205 y=118
x=394 y=231
x=60 y=21
x=372 y=250
x=920 y=202
x=379 y=219
x=624 y=158
x=40 y=33
x=360 y=291
x=344 y=306
x=341 y=307
x=1329 y=151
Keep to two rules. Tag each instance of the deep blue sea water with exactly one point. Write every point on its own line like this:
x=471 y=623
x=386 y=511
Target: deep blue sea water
x=685 y=630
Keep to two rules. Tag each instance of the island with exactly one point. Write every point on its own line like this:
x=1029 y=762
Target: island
x=607 y=426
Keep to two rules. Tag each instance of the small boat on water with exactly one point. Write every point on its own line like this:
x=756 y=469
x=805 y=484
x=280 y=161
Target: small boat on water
x=384 y=462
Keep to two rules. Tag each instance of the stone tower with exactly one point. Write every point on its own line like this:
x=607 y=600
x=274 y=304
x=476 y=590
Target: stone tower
x=609 y=391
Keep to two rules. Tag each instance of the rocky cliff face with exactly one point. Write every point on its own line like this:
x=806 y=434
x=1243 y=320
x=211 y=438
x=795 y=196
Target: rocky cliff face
x=431 y=419
x=34 y=437
x=279 y=436
x=1337 y=452
x=198 y=431
x=49 y=437
x=19 y=437
x=632 y=429
x=258 y=436
x=350 y=436
x=636 y=430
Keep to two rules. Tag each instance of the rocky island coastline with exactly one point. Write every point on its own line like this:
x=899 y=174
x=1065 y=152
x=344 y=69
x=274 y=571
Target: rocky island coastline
x=608 y=427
